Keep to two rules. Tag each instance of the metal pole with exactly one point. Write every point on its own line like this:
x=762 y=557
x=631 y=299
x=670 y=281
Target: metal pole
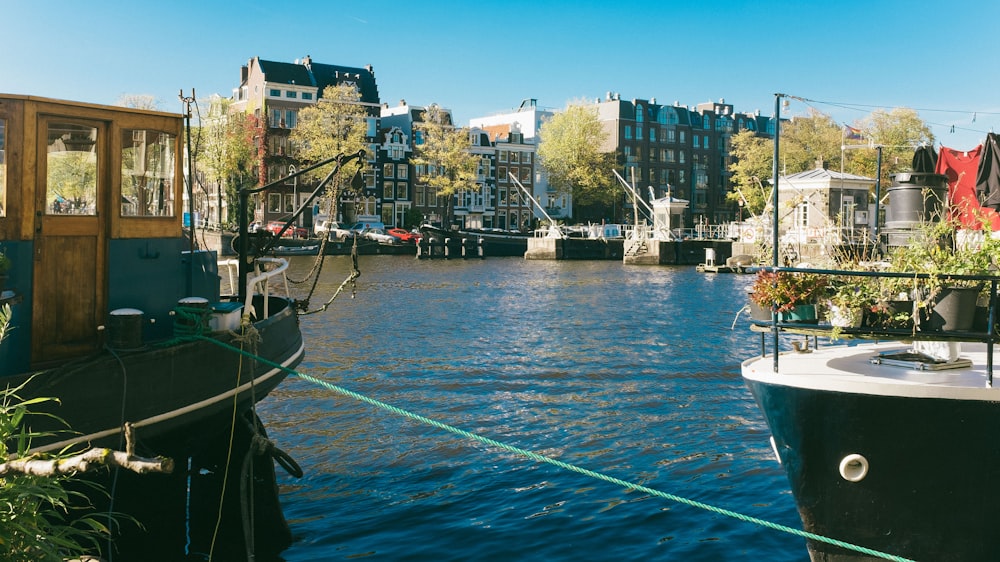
x=774 y=214
x=190 y=189
x=878 y=197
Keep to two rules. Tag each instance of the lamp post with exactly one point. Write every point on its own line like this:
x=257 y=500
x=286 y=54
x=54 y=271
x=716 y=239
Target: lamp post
x=295 y=192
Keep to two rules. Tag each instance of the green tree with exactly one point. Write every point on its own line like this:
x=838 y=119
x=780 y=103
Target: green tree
x=138 y=101
x=336 y=124
x=753 y=160
x=443 y=150
x=808 y=141
x=229 y=152
x=570 y=151
x=898 y=132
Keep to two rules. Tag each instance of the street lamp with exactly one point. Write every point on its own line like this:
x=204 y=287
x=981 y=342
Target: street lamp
x=295 y=191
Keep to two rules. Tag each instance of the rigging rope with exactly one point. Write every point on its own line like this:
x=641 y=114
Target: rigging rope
x=564 y=465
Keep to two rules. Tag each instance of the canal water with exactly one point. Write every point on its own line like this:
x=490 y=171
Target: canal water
x=628 y=371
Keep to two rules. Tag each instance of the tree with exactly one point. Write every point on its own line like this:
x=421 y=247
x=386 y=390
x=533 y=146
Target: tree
x=138 y=101
x=808 y=141
x=230 y=152
x=336 y=124
x=570 y=151
x=443 y=149
x=898 y=132
x=753 y=160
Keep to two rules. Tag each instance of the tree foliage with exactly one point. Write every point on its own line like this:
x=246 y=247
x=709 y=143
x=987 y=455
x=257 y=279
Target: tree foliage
x=898 y=132
x=138 y=101
x=808 y=141
x=336 y=124
x=753 y=163
x=570 y=151
x=444 y=150
x=230 y=151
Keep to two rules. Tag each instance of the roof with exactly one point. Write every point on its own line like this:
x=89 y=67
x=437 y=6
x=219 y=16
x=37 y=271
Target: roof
x=321 y=75
x=821 y=174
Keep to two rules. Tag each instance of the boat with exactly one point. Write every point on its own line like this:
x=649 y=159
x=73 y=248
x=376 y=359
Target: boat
x=125 y=325
x=886 y=433
x=485 y=242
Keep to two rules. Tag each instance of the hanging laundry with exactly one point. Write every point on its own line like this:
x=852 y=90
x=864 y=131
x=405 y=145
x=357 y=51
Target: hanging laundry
x=961 y=168
x=988 y=176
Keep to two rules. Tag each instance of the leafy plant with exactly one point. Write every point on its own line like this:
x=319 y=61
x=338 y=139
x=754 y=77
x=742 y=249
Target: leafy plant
x=782 y=291
x=5 y=262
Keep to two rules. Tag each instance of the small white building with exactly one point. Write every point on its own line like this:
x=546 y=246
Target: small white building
x=824 y=206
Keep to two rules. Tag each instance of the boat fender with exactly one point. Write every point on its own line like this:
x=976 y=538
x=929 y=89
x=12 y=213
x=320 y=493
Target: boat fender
x=854 y=467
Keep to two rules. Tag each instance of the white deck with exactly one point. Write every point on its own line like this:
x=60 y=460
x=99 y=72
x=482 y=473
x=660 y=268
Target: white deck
x=844 y=368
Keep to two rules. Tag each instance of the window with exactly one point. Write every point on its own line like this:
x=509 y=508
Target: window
x=274 y=92
x=628 y=132
x=502 y=174
x=388 y=170
x=401 y=190
x=515 y=157
x=371 y=132
x=526 y=158
x=291 y=94
x=704 y=141
x=652 y=134
x=671 y=135
x=273 y=202
x=289 y=203
x=683 y=137
x=71 y=169
x=291 y=118
x=696 y=140
x=402 y=171
x=420 y=196
x=638 y=113
x=148 y=161
x=388 y=188
x=681 y=158
x=307 y=95
x=503 y=155
x=526 y=175
x=276 y=118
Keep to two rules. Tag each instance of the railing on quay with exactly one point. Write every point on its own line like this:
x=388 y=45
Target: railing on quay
x=876 y=333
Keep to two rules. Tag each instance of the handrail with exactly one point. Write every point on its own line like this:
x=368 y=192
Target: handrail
x=990 y=337
x=259 y=279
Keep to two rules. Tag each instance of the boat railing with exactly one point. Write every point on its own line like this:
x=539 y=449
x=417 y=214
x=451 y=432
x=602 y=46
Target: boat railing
x=264 y=270
x=987 y=334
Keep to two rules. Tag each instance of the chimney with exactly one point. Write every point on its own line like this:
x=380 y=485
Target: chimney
x=307 y=62
x=821 y=164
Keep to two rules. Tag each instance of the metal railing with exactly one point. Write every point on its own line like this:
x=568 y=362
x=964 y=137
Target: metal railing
x=259 y=282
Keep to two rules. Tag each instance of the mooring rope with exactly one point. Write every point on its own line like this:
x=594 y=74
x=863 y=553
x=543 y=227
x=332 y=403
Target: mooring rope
x=564 y=465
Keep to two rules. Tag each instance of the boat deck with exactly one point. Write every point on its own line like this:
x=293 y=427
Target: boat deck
x=850 y=368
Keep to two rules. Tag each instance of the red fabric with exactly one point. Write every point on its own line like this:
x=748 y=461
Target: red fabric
x=961 y=167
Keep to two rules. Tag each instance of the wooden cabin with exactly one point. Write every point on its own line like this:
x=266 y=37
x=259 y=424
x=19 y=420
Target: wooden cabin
x=91 y=217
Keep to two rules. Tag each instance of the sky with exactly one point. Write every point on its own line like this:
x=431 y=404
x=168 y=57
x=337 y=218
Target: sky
x=481 y=57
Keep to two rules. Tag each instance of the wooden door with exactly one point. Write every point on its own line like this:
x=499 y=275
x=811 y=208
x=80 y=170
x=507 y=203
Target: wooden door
x=70 y=237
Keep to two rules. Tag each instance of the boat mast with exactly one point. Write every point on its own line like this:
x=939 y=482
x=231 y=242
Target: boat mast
x=774 y=217
x=532 y=199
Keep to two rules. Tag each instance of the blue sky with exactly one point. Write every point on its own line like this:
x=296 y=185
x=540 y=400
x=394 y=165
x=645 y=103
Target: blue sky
x=483 y=57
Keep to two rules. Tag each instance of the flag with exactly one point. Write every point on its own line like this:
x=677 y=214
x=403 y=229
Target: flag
x=850 y=133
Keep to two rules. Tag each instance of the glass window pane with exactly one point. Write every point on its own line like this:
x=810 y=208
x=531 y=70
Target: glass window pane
x=71 y=164
x=148 y=162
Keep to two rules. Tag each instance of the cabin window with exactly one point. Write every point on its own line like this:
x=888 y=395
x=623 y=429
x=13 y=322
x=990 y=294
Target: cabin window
x=71 y=167
x=148 y=163
x=3 y=168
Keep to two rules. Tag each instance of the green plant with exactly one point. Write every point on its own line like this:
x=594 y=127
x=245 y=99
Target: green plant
x=35 y=510
x=5 y=262
x=782 y=291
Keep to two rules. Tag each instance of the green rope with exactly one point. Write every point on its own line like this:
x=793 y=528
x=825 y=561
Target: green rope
x=542 y=458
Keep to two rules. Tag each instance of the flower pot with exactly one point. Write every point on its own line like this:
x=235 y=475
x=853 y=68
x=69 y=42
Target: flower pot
x=757 y=312
x=801 y=314
x=845 y=316
x=896 y=315
x=954 y=308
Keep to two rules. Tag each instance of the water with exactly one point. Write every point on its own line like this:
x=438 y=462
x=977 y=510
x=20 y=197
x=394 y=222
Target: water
x=628 y=371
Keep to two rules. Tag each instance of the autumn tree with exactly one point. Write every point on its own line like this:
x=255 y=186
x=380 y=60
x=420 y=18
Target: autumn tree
x=138 y=101
x=336 y=124
x=443 y=151
x=569 y=150
x=808 y=141
x=752 y=166
x=228 y=151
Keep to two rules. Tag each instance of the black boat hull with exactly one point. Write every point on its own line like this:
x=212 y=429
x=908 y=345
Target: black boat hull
x=935 y=501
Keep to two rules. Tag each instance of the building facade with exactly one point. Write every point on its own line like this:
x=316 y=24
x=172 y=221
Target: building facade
x=274 y=93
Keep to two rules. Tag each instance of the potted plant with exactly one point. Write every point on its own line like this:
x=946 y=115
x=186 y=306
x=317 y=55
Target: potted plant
x=793 y=295
x=849 y=299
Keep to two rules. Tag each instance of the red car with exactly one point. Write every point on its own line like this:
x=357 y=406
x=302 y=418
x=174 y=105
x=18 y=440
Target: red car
x=275 y=227
x=403 y=235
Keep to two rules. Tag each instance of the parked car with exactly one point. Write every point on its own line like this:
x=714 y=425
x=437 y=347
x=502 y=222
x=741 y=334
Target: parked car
x=379 y=235
x=274 y=227
x=404 y=235
x=333 y=229
x=362 y=226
